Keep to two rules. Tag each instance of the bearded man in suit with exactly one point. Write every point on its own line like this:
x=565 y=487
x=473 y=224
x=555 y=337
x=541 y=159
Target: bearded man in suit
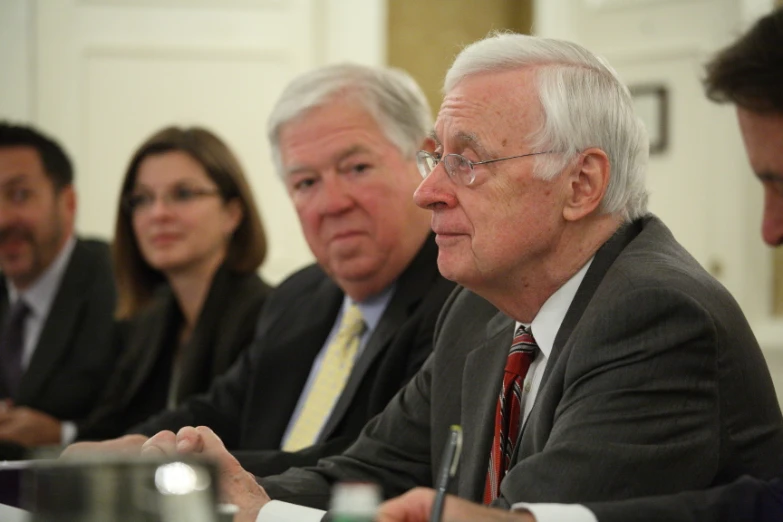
x=56 y=297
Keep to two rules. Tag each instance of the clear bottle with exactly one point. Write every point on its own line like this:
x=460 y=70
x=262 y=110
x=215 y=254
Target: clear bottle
x=355 y=502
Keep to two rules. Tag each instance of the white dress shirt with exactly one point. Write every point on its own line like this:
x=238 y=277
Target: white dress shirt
x=39 y=298
x=544 y=328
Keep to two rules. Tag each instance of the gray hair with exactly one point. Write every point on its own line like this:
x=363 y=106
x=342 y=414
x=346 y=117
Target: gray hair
x=390 y=96
x=584 y=104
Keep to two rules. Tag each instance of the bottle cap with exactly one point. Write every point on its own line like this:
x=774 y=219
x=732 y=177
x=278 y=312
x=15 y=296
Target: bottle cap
x=355 y=499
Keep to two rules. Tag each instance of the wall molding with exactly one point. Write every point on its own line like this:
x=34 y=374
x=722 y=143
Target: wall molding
x=653 y=53
x=184 y=52
x=186 y=4
x=619 y=5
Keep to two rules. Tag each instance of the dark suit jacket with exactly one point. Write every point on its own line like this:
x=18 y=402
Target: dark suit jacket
x=251 y=406
x=140 y=386
x=745 y=500
x=76 y=353
x=655 y=384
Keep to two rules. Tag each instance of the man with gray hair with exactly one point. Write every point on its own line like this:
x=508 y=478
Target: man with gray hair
x=588 y=357
x=747 y=74
x=337 y=339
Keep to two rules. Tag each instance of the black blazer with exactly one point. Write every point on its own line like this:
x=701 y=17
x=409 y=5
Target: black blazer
x=251 y=406
x=75 y=354
x=140 y=386
x=745 y=500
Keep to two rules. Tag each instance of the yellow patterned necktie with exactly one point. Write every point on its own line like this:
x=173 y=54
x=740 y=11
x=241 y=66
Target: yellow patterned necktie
x=330 y=381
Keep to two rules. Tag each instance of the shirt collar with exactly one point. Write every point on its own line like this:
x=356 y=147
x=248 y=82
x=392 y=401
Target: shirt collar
x=547 y=322
x=372 y=308
x=40 y=295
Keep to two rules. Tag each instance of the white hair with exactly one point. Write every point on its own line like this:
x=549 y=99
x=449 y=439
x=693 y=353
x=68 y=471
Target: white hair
x=390 y=96
x=584 y=105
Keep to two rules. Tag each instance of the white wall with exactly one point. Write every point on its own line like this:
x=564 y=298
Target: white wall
x=701 y=185
x=15 y=59
x=78 y=68
x=102 y=75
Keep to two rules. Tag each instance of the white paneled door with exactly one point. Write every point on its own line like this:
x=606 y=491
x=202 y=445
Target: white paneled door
x=104 y=74
x=700 y=183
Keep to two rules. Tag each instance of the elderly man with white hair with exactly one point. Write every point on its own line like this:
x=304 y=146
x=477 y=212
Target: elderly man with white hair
x=588 y=357
x=337 y=339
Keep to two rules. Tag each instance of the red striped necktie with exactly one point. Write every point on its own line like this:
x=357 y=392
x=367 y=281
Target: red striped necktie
x=508 y=414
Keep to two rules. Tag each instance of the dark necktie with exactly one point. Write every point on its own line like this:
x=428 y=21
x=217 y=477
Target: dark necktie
x=508 y=413
x=12 y=346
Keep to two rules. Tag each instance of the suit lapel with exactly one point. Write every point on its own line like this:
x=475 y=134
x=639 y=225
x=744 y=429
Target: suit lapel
x=199 y=353
x=595 y=274
x=602 y=261
x=411 y=288
x=4 y=305
x=483 y=367
x=194 y=359
x=58 y=329
x=394 y=315
x=153 y=341
x=293 y=346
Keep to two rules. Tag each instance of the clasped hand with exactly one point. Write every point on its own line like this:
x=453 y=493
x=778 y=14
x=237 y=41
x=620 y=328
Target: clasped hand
x=237 y=486
x=27 y=426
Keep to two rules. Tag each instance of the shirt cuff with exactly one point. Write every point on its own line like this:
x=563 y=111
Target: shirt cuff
x=68 y=432
x=556 y=512
x=276 y=511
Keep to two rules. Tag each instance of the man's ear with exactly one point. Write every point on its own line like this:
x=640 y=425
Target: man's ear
x=429 y=144
x=587 y=183
x=67 y=196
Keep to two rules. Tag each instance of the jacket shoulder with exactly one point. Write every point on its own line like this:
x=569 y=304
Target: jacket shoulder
x=656 y=260
x=93 y=256
x=249 y=287
x=304 y=280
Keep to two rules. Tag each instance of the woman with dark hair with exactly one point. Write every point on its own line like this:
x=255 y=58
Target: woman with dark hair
x=187 y=244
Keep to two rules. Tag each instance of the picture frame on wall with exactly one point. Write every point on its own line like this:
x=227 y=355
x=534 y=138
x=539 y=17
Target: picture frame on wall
x=651 y=102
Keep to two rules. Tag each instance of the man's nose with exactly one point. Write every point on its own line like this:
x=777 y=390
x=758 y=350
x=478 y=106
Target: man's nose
x=435 y=190
x=7 y=213
x=335 y=197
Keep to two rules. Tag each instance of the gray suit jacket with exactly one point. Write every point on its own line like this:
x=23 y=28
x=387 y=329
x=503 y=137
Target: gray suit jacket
x=655 y=384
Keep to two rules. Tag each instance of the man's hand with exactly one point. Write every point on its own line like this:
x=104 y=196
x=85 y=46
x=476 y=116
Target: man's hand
x=237 y=486
x=28 y=427
x=415 y=506
x=129 y=445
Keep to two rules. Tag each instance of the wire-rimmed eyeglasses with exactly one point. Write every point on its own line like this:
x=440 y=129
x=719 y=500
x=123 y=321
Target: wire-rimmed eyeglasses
x=458 y=167
x=139 y=202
